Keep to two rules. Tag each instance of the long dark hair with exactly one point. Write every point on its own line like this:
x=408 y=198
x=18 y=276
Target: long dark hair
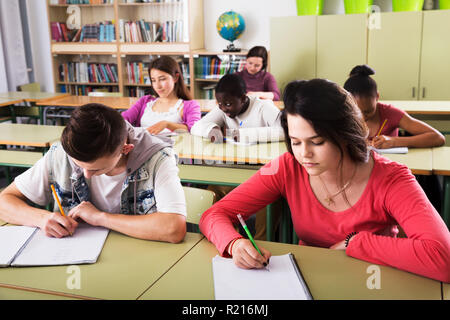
x=168 y=65
x=94 y=130
x=260 y=52
x=360 y=82
x=331 y=111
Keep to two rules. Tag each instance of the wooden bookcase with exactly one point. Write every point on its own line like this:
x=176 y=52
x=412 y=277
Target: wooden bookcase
x=118 y=52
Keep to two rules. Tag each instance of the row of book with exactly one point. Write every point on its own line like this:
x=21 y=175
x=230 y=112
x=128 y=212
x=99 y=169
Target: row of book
x=83 y=90
x=137 y=72
x=97 y=32
x=145 y=31
x=139 y=92
x=84 y=72
x=152 y=1
x=214 y=67
x=80 y=1
x=208 y=92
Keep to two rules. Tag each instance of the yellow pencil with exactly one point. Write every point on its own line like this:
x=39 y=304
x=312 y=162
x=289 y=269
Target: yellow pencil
x=61 y=210
x=382 y=126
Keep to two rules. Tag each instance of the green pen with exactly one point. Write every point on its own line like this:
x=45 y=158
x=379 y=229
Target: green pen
x=244 y=225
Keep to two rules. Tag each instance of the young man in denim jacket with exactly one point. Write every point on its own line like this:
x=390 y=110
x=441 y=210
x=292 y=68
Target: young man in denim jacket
x=106 y=173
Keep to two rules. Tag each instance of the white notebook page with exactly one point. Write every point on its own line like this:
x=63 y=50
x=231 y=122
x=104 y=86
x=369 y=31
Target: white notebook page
x=280 y=282
x=12 y=239
x=84 y=246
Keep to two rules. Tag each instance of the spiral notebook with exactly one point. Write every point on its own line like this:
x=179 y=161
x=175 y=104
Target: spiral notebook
x=27 y=246
x=281 y=281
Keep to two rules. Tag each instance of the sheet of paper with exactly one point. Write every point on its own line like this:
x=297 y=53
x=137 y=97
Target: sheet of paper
x=12 y=240
x=391 y=150
x=84 y=246
x=280 y=282
x=231 y=140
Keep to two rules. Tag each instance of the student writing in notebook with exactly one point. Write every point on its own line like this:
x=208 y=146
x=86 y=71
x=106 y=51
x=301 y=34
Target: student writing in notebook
x=341 y=195
x=106 y=173
x=260 y=83
x=173 y=109
x=236 y=111
x=364 y=89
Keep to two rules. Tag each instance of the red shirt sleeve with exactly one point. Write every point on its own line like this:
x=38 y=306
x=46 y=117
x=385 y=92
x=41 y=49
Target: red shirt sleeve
x=426 y=251
x=263 y=188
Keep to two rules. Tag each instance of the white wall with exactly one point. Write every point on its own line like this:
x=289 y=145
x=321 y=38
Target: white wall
x=257 y=14
x=40 y=44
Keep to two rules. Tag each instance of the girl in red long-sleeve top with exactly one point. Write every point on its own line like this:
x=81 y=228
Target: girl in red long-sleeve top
x=337 y=190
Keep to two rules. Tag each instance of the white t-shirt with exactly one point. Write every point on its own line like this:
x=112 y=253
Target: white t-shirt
x=169 y=194
x=151 y=117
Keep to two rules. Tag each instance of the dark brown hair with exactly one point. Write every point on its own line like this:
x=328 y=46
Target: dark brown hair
x=331 y=111
x=169 y=65
x=360 y=83
x=260 y=52
x=94 y=130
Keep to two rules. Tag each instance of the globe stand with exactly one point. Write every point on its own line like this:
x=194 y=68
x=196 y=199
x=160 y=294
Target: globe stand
x=231 y=48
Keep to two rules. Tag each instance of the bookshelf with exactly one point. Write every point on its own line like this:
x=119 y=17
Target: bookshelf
x=169 y=27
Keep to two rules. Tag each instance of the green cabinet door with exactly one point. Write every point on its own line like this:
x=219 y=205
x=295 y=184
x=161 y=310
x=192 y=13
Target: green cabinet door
x=435 y=61
x=394 y=53
x=341 y=45
x=293 y=48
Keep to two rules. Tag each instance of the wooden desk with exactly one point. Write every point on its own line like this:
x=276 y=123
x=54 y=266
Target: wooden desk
x=418 y=160
x=421 y=107
x=29 y=134
x=194 y=147
x=329 y=274
x=446 y=291
x=126 y=268
x=441 y=166
x=4 y=101
x=29 y=96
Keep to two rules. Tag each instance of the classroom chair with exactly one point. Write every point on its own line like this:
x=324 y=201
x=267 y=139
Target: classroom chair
x=197 y=202
x=104 y=94
x=29 y=110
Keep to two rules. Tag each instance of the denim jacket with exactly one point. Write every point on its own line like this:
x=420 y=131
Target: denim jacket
x=137 y=195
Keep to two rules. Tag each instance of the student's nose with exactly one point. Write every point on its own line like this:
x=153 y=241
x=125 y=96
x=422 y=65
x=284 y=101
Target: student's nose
x=305 y=151
x=87 y=174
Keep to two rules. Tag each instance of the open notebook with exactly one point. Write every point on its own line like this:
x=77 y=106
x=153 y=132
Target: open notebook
x=281 y=281
x=398 y=150
x=26 y=246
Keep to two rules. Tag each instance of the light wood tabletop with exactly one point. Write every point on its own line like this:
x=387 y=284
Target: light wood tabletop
x=29 y=134
x=126 y=268
x=418 y=160
x=30 y=96
x=4 y=101
x=198 y=148
x=421 y=106
x=446 y=291
x=441 y=161
x=78 y=101
x=329 y=274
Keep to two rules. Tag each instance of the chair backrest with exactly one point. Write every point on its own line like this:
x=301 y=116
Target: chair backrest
x=104 y=94
x=31 y=87
x=197 y=202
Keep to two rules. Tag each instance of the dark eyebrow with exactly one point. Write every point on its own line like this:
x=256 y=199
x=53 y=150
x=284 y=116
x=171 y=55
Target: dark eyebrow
x=310 y=138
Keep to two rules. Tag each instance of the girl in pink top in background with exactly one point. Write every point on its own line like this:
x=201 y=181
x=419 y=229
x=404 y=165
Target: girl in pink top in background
x=364 y=90
x=173 y=109
x=341 y=195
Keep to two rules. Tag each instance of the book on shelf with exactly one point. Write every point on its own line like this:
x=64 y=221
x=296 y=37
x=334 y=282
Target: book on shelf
x=84 y=72
x=147 y=31
x=214 y=67
x=56 y=2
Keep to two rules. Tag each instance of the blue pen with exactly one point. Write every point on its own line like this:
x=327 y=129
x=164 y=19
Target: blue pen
x=240 y=124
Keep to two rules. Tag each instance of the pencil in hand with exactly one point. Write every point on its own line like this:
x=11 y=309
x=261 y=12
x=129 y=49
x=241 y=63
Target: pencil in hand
x=381 y=128
x=61 y=210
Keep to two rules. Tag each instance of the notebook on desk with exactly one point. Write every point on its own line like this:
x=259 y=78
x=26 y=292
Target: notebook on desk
x=27 y=246
x=281 y=281
x=399 y=150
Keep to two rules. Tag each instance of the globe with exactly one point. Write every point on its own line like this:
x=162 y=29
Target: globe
x=230 y=26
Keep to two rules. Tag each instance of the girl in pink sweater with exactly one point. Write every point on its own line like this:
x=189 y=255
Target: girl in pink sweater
x=341 y=195
x=173 y=109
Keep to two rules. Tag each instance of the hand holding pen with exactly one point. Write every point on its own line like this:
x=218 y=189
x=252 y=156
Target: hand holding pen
x=246 y=254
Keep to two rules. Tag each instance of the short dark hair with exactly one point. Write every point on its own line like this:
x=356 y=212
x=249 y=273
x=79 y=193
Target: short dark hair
x=260 y=52
x=331 y=111
x=360 y=83
x=232 y=84
x=169 y=65
x=94 y=130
